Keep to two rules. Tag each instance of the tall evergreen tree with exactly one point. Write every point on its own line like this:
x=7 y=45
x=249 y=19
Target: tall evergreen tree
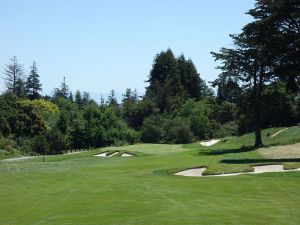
x=277 y=30
x=14 y=77
x=190 y=78
x=259 y=56
x=78 y=98
x=164 y=81
x=111 y=99
x=63 y=91
x=33 y=85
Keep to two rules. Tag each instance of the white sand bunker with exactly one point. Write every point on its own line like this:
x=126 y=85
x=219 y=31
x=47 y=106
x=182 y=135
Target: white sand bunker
x=103 y=154
x=18 y=159
x=195 y=172
x=198 y=172
x=126 y=155
x=209 y=143
x=113 y=154
x=107 y=154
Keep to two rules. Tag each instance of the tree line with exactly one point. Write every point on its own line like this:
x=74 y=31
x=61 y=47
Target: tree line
x=257 y=88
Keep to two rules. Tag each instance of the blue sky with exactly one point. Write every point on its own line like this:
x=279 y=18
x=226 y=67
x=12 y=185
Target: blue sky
x=104 y=45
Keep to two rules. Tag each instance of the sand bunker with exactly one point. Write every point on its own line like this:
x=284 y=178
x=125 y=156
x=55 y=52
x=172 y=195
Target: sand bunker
x=279 y=132
x=126 y=155
x=195 y=172
x=113 y=154
x=18 y=159
x=103 y=154
x=198 y=172
x=209 y=143
x=107 y=154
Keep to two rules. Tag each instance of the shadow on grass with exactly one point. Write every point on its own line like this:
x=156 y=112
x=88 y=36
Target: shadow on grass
x=228 y=151
x=249 y=161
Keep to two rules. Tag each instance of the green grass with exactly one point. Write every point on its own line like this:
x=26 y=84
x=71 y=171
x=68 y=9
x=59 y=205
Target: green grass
x=83 y=189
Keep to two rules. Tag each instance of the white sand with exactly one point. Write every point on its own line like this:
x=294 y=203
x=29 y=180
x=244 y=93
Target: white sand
x=115 y=153
x=103 y=154
x=209 y=143
x=268 y=168
x=279 y=132
x=198 y=172
x=126 y=155
x=18 y=159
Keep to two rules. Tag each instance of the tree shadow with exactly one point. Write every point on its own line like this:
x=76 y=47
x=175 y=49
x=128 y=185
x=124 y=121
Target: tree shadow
x=228 y=151
x=249 y=161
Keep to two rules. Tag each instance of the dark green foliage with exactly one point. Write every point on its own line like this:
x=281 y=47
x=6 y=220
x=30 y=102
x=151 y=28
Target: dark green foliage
x=40 y=144
x=14 y=77
x=111 y=99
x=227 y=129
x=63 y=91
x=227 y=89
x=173 y=80
x=177 y=130
x=57 y=141
x=152 y=131
x=33 y=85
x=267 y=49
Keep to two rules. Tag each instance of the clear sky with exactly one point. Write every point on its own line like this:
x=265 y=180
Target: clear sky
x=102 y=45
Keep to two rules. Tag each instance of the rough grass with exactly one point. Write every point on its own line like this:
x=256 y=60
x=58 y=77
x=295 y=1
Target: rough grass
x=83 y=189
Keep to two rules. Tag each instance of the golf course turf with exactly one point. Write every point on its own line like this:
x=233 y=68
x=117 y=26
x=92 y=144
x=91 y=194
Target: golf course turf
x=84 y=189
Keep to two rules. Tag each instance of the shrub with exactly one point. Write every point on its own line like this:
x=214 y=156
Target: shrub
x=177 y=130
x=152 y=131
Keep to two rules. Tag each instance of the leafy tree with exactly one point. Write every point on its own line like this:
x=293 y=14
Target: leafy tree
x=33 y=85
x=14 y=76
x=276 y=27
x=267 y=49
x=228 y=89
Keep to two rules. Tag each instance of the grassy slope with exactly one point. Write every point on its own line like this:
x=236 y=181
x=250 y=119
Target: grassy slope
x=83 y=189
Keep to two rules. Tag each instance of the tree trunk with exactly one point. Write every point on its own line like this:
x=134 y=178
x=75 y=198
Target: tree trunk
x=257 y=89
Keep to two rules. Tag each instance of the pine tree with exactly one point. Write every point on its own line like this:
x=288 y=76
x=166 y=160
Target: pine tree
x=111 y=99
x=64 y=88
x=164 y=81
x=63 y=91
x=33 y=85
x=14 y=77
x=78 y=98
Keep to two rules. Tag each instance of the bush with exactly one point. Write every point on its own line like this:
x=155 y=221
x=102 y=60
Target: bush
x=227 y=129
x=177 y=130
